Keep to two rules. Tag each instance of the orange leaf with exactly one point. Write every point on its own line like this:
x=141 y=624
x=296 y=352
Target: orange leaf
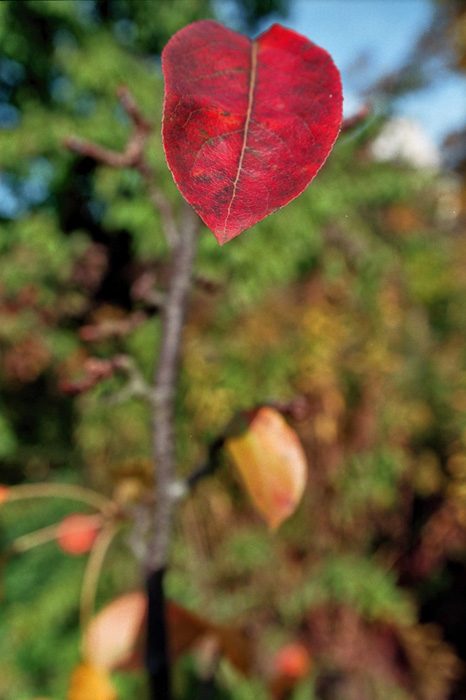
x=272 y=464
x=77 y=533
x=91 y=683
x=114 y=636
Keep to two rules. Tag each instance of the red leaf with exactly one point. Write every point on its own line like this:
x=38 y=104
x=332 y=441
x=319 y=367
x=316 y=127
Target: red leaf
x=246 y=125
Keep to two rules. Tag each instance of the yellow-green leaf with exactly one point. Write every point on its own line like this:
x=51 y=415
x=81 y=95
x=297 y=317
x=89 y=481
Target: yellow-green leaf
x=272 y=465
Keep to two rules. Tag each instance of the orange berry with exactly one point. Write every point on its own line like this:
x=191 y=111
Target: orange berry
x=77 y=533
x=293 y=661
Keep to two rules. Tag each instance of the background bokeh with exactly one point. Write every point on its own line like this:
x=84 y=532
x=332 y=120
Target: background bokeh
x=353 y=296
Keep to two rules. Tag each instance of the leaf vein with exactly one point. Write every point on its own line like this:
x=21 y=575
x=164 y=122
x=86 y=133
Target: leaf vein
x=252 y=84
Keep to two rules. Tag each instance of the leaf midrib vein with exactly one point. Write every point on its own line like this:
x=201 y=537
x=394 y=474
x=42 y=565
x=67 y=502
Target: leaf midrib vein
x=252 y=84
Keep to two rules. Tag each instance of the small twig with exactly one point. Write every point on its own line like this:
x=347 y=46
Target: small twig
x=137 y=387
x=132 y=110
x=92 y=573
x=115 y=159
x=210 y=465
x=34 y=539
x=96 y=370
x=132 y=157
x=111 y=328
x=74 y=493
x=356 y=119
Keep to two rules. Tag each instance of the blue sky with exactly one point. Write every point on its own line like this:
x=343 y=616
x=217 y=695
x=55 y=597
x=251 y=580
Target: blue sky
x=384 y=31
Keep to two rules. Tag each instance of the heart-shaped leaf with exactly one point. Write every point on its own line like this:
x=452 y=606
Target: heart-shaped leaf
x=246 y=124
x=272 y=464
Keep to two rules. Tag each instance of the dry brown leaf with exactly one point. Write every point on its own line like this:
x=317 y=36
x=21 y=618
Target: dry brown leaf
x=236 y=646
x=184 y=628
x=272 y=465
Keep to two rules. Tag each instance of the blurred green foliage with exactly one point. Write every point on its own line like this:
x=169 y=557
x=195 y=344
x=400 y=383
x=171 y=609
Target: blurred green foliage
x=353 y=296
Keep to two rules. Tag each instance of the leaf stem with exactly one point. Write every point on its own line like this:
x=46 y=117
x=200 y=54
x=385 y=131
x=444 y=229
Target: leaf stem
x=34 y=539
x=42 y=536
x=70 y=491
x=92 y=573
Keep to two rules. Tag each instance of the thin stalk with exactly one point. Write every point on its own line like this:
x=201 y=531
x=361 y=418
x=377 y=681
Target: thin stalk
x=44 y=535
x=92 y=573
x=34 y=539
x=74 y=493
